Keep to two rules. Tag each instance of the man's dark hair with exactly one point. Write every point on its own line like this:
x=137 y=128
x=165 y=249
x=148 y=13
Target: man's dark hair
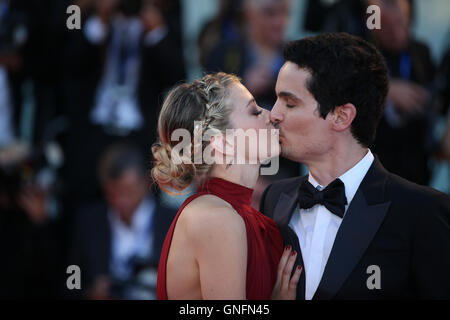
x=344 y=69
x=119 y=158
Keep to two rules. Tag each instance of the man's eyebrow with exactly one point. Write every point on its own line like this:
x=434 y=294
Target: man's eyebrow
x=288 y=95
x=250 y=102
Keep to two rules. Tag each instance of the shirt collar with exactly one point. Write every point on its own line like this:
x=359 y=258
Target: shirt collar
x=141 y=215
x=353 y=177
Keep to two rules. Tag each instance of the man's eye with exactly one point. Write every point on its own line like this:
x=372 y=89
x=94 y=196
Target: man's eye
x=290 y=106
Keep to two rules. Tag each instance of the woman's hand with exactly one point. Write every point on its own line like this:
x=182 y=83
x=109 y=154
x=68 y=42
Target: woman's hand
x=286 y=287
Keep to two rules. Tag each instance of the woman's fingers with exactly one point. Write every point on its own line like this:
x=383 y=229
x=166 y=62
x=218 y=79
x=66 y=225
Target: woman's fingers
x=285 y=279
x=286 y=286
x=284 y=258
x=295 y=279
x=276 y=294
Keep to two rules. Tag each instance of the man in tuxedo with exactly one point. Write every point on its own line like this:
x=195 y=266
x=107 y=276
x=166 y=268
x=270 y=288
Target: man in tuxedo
x=117 y=242
x=360 y=231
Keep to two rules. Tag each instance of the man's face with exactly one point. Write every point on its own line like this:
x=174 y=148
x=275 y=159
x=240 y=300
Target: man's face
x=270 y=19
x=125 y=193
x=304 y=135
x=395 y=22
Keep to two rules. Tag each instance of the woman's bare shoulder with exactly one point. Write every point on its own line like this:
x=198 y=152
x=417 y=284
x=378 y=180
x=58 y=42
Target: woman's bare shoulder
x=209 y=216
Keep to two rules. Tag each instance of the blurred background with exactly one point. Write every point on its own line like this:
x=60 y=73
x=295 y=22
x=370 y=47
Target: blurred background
x=79 y=108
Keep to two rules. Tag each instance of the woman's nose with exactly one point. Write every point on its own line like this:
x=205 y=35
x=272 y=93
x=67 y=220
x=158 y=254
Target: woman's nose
x=266 y=116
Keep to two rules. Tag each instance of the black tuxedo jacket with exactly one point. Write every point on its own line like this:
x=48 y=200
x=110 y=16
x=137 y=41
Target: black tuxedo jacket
x=401 y=227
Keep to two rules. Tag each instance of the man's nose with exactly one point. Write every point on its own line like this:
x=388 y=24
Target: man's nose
x=275 y=115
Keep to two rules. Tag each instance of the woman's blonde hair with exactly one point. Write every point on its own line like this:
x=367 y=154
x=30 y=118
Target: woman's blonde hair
x=204 y=101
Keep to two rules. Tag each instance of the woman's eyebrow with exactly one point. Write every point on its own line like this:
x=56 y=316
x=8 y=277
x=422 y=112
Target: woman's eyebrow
x=250 y=102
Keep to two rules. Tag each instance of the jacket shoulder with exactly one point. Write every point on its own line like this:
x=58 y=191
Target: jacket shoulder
x=271 y=194
x=399 y=188
x=421 y=204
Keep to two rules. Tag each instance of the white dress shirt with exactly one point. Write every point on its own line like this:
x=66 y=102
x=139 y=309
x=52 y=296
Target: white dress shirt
x=131 y=241
x=116 y=103
x=316 y=228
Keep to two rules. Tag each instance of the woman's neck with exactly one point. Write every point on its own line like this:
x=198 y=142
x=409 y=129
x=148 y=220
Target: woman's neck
x=243 y=174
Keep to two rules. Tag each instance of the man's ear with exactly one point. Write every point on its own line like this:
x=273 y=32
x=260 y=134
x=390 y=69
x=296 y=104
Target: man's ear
x=343 y=116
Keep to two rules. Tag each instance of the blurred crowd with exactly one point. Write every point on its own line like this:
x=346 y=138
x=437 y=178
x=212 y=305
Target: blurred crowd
x=79 y=109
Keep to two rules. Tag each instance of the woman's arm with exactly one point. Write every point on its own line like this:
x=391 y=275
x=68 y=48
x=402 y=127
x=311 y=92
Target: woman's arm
x=219 y=240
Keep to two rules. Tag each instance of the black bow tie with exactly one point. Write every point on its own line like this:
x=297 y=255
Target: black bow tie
x=332 y=197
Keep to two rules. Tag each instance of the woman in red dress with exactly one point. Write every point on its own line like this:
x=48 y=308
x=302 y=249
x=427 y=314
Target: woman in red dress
x=218 y=246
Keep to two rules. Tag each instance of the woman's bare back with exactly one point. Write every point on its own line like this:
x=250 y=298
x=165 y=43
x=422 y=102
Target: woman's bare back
x=183 y=279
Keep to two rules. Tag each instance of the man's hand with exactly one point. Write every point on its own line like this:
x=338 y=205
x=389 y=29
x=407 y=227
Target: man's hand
x=33 y=200
x=12 y=61
x=407 y=97
x=257 y=79
x=100 y=289
x=152 y=18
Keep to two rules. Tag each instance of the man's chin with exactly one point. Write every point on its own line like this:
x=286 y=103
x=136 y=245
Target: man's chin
x=288 y=153
x=284 y=151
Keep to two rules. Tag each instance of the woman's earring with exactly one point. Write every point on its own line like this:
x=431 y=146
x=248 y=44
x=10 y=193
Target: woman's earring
x=229 y=164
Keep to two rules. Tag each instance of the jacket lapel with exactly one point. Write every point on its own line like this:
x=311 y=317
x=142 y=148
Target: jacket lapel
x=284 y=209
x=360 y=224
x=286 y=203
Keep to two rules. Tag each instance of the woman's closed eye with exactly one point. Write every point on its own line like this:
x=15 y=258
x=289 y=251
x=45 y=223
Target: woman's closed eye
x=256 y=111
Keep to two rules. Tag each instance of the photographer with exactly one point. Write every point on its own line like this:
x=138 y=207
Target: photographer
x=28 y=225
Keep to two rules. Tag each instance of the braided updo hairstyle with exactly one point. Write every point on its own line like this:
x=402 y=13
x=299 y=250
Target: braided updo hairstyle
x=204 y=101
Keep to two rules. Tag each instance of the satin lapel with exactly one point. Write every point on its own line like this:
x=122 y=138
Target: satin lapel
x=283 y=211
x=284 y=208
x=286 y=204
x=360 y=224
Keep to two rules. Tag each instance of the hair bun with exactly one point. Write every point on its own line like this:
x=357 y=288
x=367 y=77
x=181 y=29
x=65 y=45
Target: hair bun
x=166 y=172
x=204 y=100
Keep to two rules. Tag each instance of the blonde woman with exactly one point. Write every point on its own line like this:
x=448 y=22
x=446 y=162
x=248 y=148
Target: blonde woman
x=218 y=246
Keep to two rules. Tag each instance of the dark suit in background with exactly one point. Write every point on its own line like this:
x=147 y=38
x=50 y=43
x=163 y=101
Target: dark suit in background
x=92 y=243
x=405 y=149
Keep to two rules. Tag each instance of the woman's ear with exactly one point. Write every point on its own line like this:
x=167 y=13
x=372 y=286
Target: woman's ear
x=343 y=116
x=222 y=143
